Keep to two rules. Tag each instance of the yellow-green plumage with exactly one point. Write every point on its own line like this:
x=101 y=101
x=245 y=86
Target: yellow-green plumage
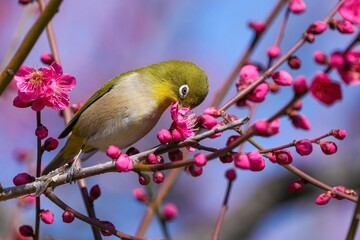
x=127 y=107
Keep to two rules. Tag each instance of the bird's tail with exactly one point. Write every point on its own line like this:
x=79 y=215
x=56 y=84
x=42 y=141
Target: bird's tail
x=70 y=150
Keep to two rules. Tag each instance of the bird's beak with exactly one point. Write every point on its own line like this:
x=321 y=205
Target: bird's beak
x=184 y=104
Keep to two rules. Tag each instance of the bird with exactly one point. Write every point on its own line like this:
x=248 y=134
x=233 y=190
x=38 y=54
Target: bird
x=128 y=106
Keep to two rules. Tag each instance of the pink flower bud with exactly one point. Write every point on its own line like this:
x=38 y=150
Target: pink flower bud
x=273 y=51
x=226 y=158
x=175 y=155
x=297 y=6
x=113 y=152
x=20 y=104
x=296 y=186
x=25 y=2
x=297 y=105
x=345 y=27
x=300 y=121
x=26 y=231
x=159 y=160
x=231 y=139
x=176 y=135
x=41 y=132
x=272 y=157
x=212 y=111
x=164 y=136
x=337 y=60
x=151 y=158
x=309 y=37
x=68 y=217
x=158 y=177
x=282 y=77
x=207 y=121
x=342 y=189
x=328 y=147
x=216 y=134
x=273 y=87
x=132 y=151
x=124 y=163
x=230 y=174
x=242 y=161
x=258 y=27
x=339 y=133
x=108 y=224
x=294 y=62
x=170 y=211
x=22 y=155
x=27 y=201
x=144 y=179
x=283 y=157
x=95 y=193
x=23 y=178
x=47 y=216
x=300 y=86
x=263 y=128
x=303 y=147
x=76 y=107
x=257 y=162
x=47 y=58
x=317 y=27
x=320 y=57
x=249 y=72
x=50 y=144
x=200 y=159
x=259 y=93
x=194 y=170
x=140 y=195
x=323 y=198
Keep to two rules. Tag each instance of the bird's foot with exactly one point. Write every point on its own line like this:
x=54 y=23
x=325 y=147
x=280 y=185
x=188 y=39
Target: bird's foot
x=73 y=171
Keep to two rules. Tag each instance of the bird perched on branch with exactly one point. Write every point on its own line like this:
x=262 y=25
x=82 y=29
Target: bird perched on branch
x=128 y=106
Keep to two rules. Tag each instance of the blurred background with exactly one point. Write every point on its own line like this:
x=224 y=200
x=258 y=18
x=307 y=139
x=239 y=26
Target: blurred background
x=100 y=39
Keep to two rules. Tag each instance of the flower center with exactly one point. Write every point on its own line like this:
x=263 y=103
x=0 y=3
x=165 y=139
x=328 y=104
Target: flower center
x=36 y=78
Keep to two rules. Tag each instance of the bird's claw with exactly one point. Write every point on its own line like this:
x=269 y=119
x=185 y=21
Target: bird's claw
x=73 y=171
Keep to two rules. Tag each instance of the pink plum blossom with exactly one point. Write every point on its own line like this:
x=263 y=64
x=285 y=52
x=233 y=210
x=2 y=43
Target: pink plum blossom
x=44 y=87
x=183 y=121
x=325 y=90
x=350 y=11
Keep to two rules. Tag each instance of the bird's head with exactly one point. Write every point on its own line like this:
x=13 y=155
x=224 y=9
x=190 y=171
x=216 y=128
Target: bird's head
x=179 y=81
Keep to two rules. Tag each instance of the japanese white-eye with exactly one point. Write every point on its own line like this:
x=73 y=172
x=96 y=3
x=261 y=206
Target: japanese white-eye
x=128 y=106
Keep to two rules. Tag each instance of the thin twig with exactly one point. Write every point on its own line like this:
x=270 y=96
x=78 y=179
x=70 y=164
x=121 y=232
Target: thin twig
x=38 y=173
x=93 y=222
x=354 y=222
x=223 y=210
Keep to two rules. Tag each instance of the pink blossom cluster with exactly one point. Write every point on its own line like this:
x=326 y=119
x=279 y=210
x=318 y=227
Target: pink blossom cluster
x=183 y=125
x=46 y=86
x=123 y=162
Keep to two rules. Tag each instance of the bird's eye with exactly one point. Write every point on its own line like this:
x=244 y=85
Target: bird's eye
x=183 y=90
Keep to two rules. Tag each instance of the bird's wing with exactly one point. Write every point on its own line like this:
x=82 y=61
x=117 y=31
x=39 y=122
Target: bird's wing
x=98 y=94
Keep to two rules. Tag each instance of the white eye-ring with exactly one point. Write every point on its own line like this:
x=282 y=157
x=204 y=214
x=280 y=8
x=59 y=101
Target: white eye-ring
x=183 y=91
